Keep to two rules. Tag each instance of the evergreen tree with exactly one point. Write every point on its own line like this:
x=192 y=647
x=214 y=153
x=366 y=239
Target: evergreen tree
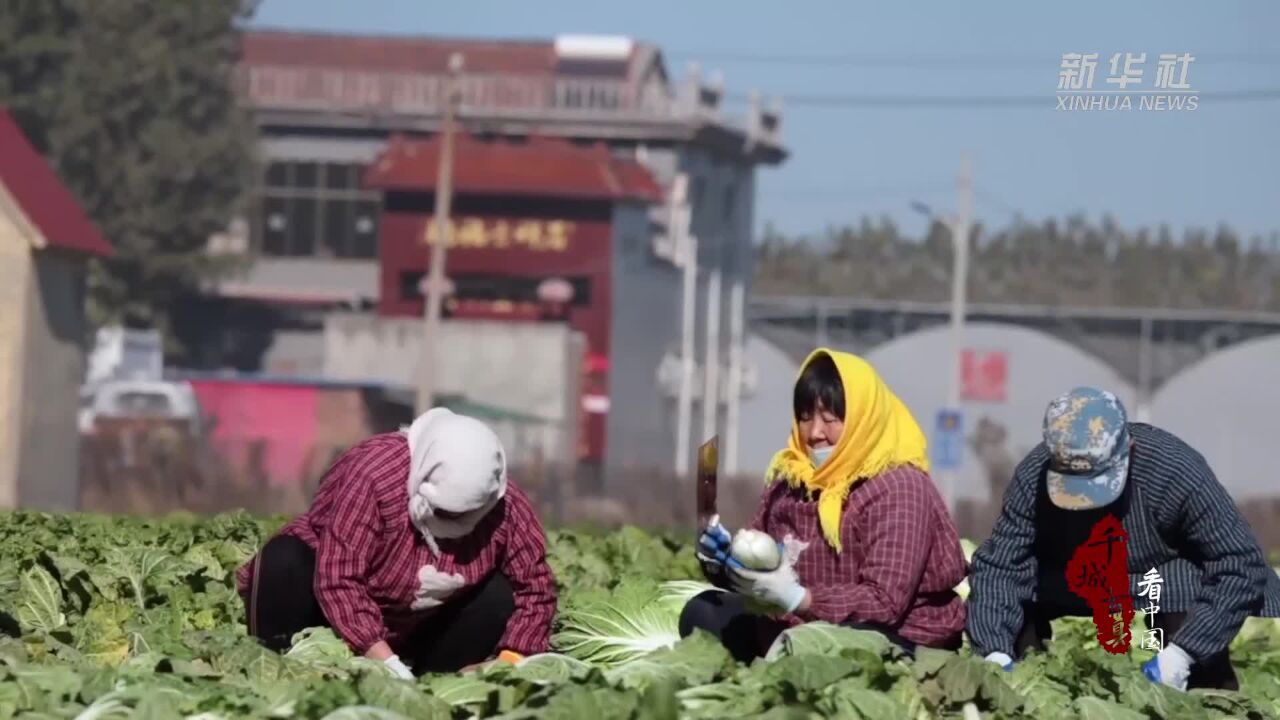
x=1068 y=262
x=135 y=104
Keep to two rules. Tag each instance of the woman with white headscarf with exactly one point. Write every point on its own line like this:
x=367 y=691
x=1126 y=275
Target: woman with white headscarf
x=417 y=551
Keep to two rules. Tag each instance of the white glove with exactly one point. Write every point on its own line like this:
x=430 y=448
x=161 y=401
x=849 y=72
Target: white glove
x=1000 y=659
x=1171 y=666
x=780 y=588
x=398 y=668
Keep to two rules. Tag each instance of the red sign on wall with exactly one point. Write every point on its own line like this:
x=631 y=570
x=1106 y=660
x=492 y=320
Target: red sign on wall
x=985 y=376
x=495 y=258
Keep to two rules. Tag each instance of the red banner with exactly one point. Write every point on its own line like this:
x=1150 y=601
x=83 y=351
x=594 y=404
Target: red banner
x=985 y=376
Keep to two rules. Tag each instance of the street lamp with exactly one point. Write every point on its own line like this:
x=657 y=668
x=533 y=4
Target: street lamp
x=435 y=281
x=959 y=228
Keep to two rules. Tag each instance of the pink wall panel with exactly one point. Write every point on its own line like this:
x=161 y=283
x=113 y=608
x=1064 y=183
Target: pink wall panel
x=281 y=419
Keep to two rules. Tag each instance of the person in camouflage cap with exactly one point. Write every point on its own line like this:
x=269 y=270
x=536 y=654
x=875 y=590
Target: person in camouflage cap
x=1180 y=521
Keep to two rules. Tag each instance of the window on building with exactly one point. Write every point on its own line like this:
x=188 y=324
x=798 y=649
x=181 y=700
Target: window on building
x=468 y=286
x=275 y=226
x=316 y=209
x=302 y=223
x=340 y=176
x=364 y=224
x=278 y=175
x=337 y=220
x=306 y=175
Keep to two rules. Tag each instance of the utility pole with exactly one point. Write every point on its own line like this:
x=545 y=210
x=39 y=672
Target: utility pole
x=959 y=299
x=435 y=286
x=711 y=370
x=733 y=403
x=686 y=245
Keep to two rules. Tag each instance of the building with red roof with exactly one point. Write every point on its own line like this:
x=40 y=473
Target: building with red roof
x=329 y=105
x=45 y=241
x=543 y=230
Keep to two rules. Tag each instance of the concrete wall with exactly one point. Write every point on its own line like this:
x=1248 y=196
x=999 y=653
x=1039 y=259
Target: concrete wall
x=722 y=198
x=1225 y=406
x=525 y=368
x=645 y=325
x=766 y=415
x=723 y=193
x=295 y=352
x=15 y=271
x=49 y=469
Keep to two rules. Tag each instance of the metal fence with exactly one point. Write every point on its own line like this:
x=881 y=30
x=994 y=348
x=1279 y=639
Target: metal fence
x=335 y=89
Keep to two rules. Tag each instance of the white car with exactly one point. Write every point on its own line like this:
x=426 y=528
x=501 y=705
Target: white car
x=153 y=399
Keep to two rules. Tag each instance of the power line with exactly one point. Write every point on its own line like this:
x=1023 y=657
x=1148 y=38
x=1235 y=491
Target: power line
x=957 y=62
x=951 y=61
x=1041 y=102
x=990 y=198
x=836 y=191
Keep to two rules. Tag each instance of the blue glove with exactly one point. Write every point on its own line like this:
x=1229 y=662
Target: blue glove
x=713 y=543
x=1000 y=659
x=1171 y=666
x=713 y=553
x=1151 y=669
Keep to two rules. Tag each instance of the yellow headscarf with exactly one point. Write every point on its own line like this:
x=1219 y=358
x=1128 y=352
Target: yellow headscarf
x=879 y=434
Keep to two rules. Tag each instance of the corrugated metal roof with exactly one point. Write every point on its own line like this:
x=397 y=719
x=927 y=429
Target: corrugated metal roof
x=538 y=166
x=42 y=197
x=392 y=53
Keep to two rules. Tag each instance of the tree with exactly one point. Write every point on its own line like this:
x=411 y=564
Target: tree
x=1068 y=262
x=36 y=39
x=135 y=104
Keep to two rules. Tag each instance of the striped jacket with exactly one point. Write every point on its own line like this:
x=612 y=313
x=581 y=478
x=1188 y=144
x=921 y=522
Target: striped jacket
x=1180 y=520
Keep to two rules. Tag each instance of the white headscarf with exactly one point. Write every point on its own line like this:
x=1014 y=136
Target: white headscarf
x=456 y=465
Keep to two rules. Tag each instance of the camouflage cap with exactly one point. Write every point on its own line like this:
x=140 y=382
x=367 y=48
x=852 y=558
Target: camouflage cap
x=1087 y=434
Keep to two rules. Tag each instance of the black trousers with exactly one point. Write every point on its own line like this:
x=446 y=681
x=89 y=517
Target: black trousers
x=464 y=631
x=748 y=636
x=1215 y=673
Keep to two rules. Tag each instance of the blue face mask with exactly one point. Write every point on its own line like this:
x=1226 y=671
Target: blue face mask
x=820 y=455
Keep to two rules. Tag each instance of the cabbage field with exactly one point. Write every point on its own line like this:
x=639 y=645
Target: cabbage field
x=113 y=618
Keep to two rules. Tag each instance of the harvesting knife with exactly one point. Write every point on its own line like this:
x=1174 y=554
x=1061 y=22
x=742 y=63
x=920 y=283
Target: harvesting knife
x=708 y=464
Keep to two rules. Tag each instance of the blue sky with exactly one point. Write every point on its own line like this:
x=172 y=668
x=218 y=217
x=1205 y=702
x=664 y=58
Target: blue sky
x=1218 y=164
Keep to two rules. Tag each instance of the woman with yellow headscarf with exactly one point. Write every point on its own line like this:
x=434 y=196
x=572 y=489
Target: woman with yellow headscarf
x=865 y=538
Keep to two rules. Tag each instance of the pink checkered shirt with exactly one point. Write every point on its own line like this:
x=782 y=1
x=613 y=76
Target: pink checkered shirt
x=368 y=554
x=901 y=556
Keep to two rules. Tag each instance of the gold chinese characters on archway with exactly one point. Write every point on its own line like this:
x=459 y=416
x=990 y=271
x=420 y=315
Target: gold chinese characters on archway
x=481 y=233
